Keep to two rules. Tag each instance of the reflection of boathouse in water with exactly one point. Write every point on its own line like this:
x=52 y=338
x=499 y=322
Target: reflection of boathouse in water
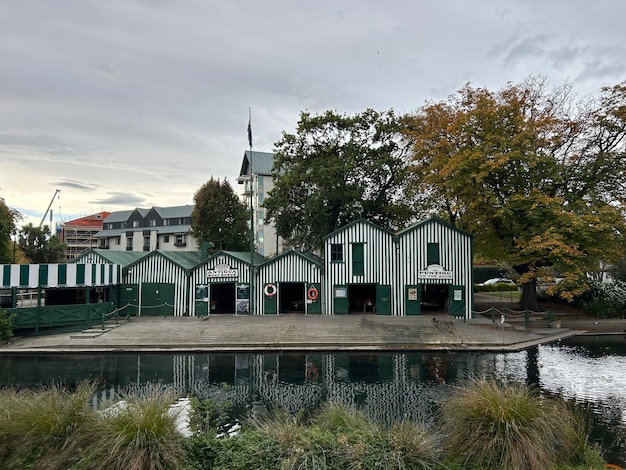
x=385 y=386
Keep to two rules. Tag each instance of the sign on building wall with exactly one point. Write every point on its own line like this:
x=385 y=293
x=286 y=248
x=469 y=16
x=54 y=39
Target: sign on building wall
x=202 y=293
x=437 y=272
x=243 y=298
x=222 y=270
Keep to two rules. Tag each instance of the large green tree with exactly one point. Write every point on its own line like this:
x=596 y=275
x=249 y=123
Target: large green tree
x=536 y=176
x=220 y=217
x=39 y=246
x=334 y=169
x=8 y=219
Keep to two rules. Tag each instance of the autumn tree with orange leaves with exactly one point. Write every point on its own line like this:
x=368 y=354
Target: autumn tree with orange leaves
x=535 y=175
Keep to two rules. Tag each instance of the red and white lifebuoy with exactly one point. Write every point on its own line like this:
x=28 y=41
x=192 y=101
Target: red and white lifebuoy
x=270 y=290
x=312 y=293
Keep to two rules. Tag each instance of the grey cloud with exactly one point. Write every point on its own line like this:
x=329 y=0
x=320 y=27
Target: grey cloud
x=565 y=56
x=525 y=49
x=149 y=98
x=121 y=199
x=77 y=185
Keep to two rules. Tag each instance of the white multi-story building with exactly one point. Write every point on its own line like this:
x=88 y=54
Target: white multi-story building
x=256 y=172
x=157 y=228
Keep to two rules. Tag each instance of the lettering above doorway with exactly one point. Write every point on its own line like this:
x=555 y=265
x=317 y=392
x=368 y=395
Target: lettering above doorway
x=435 y=271
x=222 y=270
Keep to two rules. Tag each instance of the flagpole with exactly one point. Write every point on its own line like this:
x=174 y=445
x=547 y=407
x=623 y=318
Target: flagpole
x=251 y=213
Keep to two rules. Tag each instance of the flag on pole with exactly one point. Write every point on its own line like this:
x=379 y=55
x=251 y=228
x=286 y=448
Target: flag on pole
x=249 y=128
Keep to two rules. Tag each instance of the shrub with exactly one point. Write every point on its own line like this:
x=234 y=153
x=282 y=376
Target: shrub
x=508 y=426
x=209 y=416
x=606 y=300
x=7 y=324
x=337 y=437
x=251 y=449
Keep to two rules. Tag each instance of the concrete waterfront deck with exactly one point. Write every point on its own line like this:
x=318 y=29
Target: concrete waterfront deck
x=221 y=333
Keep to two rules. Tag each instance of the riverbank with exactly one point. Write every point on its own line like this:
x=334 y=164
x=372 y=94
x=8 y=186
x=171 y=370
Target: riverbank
x=235 y=333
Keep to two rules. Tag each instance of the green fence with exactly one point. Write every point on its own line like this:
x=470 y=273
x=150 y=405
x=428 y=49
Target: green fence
x=61 y=316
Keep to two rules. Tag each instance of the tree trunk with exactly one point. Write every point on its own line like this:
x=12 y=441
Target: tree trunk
x=528 y=300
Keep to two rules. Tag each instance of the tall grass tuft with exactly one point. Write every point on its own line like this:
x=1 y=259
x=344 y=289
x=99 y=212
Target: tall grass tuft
x=46 y=427
x=509 y=426
x=138 y=433
x=335 y=417
x=363 y=443
x=296 y=446
x=414 y=446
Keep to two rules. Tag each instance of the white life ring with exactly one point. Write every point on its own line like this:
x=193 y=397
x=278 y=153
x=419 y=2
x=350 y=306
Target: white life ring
x=270 y=290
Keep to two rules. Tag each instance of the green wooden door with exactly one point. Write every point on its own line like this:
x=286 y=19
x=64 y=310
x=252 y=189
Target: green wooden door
x=456 y=301
x=412 y=299
x=358 y=259
x=340 y=300
x=314 y=299
x=270 y=299
x=129 y=299
x=157 y=299
x=383 y=299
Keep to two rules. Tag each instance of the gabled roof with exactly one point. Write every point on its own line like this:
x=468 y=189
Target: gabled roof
x=262 y=163
x=431 y=220
x=164 y=212
x=238 y=255
x=123 y=258
x=185 y=259
x=307 y=255
x=175 y=211
x=119 y=216
x=360 y=220
x=141 y=211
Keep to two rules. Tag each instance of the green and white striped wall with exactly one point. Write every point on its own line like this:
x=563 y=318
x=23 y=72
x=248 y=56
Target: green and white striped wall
x=58 y=275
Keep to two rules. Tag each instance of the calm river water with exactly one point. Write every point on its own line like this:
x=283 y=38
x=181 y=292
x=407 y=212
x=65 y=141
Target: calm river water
x=389 y=386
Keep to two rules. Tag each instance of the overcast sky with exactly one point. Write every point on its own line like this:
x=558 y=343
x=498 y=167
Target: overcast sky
x=136 y=103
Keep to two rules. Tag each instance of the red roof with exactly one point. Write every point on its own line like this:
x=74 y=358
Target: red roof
x=93 y=220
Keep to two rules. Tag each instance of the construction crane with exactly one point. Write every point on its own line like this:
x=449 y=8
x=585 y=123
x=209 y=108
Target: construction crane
x=49 y=206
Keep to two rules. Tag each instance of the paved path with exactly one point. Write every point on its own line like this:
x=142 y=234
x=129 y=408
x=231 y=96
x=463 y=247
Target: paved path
x=291 y=333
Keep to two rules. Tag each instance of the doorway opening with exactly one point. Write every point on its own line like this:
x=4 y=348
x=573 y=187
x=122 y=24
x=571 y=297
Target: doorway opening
x=362 y=298
x=434 y=298
x=222 y=297
x=291 y=297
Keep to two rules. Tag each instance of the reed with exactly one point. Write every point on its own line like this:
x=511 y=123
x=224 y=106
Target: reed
x=138 y=433
x=491 y=424
x=45 y=427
